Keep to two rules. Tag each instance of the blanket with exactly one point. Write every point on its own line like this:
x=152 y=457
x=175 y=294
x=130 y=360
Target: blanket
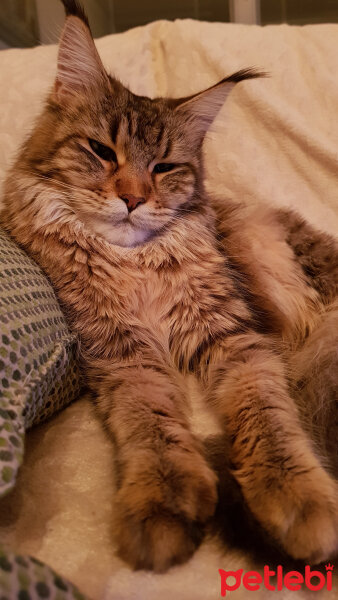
x=274 y=142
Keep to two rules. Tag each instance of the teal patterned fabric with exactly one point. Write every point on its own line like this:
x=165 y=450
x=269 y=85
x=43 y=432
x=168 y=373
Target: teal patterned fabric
x=38 y=367
x=25 y=578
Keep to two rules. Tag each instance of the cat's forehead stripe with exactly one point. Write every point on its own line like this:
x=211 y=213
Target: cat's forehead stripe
x=160 y=134
x=121 y=158
x=114 y=129
x=167 y=149
x=131 y=122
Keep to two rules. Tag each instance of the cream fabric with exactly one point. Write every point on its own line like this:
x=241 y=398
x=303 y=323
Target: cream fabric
x=276 y=142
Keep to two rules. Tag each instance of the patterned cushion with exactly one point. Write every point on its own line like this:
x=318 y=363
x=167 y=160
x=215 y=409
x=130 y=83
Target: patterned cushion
x=38 y=368
x=25 y=578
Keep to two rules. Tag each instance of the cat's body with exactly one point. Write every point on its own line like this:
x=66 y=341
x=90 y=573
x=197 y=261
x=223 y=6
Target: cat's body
x=175 y=284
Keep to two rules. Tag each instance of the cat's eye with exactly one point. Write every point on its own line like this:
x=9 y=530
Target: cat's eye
x=163 y=167
x=103 y=151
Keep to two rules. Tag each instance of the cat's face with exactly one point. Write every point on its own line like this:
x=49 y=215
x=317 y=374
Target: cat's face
x=126 y=166
x=140 y=169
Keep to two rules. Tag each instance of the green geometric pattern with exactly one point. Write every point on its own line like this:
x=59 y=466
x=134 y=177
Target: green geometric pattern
x=39 y=373
x=25 y=578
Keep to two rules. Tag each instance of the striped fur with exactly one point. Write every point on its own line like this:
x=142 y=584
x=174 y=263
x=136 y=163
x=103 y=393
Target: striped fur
x=180 y=284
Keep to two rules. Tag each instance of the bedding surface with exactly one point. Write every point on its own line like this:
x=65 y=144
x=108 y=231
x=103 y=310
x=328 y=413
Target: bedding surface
x=275 y=142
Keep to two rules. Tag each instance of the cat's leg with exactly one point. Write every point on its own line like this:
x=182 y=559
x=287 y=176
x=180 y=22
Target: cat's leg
x=166 y=490
x=281 y=478
x=314 y=374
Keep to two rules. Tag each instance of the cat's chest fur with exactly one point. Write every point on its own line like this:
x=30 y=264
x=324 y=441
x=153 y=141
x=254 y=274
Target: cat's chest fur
x=158 y=295
x=179 y=299
x=146 y=297
x=121 y=300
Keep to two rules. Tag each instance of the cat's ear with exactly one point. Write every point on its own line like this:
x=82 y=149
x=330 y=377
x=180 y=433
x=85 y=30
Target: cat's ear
x=202 y=108
x=79 y=66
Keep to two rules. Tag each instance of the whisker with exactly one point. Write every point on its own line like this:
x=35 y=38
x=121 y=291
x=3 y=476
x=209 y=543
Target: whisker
x=58 y=183
x=162 y=217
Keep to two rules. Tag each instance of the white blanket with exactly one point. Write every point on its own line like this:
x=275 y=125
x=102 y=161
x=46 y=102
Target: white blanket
x=276 y=142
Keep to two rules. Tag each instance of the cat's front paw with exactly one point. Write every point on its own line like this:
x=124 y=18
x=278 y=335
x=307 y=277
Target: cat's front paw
x=301 y=512
x=311 y=533
x=162 y=509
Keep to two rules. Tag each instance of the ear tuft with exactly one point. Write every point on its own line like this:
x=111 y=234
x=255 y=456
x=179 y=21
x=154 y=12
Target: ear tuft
x=203 y=107
x=243 y=74
x=75 y=9
x=79 y=65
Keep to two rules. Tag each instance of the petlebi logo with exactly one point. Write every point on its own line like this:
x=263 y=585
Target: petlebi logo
x=291 y=580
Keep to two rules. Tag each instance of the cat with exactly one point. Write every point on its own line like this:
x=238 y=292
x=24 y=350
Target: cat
x=107 y=195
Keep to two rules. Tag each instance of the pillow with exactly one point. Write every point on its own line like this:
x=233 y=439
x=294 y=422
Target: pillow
x=38 y=367
x=26 y=578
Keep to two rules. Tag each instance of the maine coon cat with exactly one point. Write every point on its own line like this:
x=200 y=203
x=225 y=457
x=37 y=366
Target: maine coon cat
x=159 y=280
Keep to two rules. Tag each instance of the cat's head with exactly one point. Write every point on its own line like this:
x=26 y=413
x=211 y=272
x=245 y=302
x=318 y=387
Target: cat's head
x=126 y=165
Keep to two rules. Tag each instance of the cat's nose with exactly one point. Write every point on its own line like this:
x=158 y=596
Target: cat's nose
x=132 y=201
